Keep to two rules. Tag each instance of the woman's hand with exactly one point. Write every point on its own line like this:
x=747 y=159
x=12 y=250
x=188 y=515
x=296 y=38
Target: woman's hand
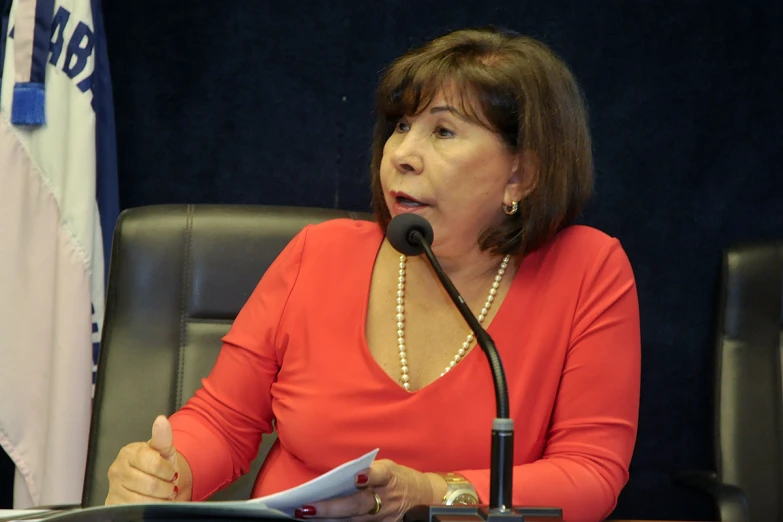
x=150 y=471
x=399 y=488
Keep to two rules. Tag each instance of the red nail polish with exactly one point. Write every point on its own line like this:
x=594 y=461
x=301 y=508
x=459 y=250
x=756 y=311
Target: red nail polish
x=176 y=476
x=176 y=490
x=307 y=511
x=362 y=479
x=298 y=513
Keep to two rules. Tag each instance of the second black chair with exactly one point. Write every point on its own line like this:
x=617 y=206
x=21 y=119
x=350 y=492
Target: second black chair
x=748 y=482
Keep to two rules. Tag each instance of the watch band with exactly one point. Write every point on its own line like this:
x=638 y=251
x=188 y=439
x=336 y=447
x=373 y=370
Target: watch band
x=459 y=490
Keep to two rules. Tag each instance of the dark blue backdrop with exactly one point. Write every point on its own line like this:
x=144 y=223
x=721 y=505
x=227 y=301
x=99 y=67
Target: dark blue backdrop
x=249 y=101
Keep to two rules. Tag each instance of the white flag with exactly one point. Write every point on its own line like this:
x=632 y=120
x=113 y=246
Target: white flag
x=51 y=252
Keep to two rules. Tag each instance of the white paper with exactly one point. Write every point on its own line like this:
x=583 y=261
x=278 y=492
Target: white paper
x=338 y=482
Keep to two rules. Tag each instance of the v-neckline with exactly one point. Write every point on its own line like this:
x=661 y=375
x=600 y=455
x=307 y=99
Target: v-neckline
x=467 y=360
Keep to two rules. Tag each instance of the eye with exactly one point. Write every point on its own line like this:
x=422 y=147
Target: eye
x=402 y=126
x=443 y=132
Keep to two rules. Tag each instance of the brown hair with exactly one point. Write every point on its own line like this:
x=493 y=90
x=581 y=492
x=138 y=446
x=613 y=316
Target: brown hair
x=522 y=91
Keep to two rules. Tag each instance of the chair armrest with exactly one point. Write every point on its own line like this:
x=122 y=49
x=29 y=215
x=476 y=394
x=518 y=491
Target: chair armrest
x=731 y=501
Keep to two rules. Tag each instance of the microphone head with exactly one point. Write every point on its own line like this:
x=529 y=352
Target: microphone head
x=400 y=233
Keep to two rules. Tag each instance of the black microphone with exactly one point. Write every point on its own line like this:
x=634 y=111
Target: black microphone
x=412 y=235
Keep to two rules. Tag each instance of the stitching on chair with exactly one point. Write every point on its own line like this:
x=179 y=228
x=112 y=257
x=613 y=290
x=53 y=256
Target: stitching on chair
x=199 y=320
x=183 y=308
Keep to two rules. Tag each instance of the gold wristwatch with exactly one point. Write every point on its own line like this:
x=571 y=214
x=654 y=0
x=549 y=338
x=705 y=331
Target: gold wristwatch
x=459 y=492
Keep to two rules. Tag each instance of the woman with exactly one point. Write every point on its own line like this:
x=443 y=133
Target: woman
x=347 y=345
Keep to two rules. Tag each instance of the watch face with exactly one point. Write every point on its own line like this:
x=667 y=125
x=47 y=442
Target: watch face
x=465 y=499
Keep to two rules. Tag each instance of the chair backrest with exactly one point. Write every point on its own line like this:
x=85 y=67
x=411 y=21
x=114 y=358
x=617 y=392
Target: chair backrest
x=178 y=276
x=749 y=409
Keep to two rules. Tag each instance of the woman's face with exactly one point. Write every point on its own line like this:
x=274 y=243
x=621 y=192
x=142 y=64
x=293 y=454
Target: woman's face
x=451 y=171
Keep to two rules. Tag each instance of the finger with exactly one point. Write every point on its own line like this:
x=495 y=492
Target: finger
x=162 y=439
x=362 y=479
x=121 y=495
x=380 y=473
x=356 y=505
x=150 y=462
x=148 y=486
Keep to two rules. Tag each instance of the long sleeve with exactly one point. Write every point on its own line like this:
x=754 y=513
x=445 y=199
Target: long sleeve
x=593 y=427
x=219 y=429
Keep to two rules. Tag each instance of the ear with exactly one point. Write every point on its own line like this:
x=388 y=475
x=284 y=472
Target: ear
x=523 y=179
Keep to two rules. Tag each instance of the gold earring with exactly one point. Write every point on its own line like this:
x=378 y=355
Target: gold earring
x=512 y=209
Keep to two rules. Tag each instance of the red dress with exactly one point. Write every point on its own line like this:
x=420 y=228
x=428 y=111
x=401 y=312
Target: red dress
x=567 y=332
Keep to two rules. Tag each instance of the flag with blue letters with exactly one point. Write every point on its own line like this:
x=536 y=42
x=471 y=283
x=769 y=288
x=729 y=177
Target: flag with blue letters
x=58 y=205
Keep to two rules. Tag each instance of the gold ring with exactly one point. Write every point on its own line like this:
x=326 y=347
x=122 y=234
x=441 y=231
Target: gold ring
x=378 y=504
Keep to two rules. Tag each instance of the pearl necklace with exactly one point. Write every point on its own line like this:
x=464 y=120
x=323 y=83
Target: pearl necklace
x=404 y=377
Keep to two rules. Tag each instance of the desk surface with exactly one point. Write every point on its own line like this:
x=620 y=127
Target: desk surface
x=4 y=513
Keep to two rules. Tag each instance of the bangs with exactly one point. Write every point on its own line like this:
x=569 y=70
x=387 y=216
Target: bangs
x=410 y=94
x=478 y=92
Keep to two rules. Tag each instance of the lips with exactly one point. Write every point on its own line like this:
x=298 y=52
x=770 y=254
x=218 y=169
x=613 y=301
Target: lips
x=406 y=204
x=406 y=200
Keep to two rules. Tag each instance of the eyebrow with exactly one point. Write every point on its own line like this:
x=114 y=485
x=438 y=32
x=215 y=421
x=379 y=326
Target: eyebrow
x=447 y=108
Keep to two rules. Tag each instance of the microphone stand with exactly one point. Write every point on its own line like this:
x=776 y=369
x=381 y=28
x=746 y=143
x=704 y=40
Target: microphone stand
x=502 y=457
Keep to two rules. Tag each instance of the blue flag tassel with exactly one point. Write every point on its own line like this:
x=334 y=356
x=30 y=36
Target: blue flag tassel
x=29 y=101
x=29 y=104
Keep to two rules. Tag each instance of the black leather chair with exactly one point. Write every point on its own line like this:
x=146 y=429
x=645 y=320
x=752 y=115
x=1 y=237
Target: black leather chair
x=748 y=482
x=179 y=275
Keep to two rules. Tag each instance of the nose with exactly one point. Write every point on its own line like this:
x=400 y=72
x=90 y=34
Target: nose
x=406 y=154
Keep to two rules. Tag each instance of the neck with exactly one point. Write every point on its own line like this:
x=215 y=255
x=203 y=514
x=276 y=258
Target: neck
x=470 y=271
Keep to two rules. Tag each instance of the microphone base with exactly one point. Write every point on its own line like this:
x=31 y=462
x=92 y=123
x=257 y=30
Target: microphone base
x=440 y=513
